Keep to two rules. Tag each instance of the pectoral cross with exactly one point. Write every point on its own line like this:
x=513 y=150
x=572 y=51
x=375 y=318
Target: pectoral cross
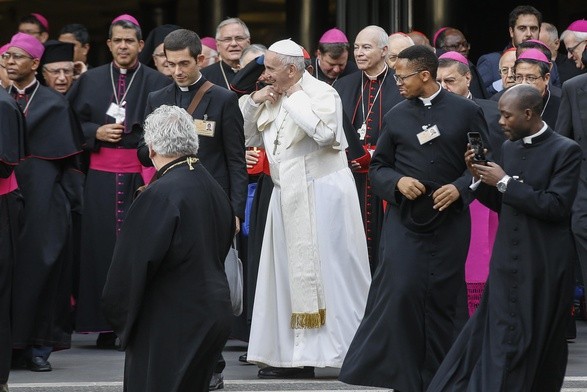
x=275 y=144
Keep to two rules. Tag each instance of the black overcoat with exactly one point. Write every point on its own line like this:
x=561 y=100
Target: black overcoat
x=166 y=295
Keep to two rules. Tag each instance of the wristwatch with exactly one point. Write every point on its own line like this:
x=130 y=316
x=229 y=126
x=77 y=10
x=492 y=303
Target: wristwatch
x=502 y=185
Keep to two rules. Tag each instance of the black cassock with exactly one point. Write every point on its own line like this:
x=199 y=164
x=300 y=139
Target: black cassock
x=515 y=341
x=408 y=325
x=51 y=184
x=166 y=295
x=371 y=99
x=108 y=193
x=12 y=150
x=220 y=73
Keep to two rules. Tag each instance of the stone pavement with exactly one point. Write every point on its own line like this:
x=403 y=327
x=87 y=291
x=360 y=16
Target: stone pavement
x=85 y=368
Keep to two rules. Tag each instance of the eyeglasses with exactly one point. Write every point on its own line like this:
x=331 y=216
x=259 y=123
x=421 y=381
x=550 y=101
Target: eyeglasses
x=572 y=49
x=160 y=54
x=506 y=70
x=392 y=57
x=238 y=39
x=58 y=71
x=15 y=56
x=30 y=32
x=401 y=79
x=458 y=45
x=528 y=78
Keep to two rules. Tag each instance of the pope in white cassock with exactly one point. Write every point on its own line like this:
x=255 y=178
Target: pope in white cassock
x=314 y=271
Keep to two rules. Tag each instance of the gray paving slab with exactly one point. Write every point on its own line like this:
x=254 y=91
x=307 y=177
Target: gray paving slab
x=85 y=368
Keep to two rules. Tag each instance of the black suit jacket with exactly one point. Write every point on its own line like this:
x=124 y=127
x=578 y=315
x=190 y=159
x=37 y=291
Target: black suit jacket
x=223 y=154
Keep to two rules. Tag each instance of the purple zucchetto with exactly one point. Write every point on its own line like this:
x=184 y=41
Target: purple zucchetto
x=28 y=43
x=128 y=18
x=579 y=26
x=333 y=36
x=209 y=42
x=438 y=32
x=533 y=54
x=456 y=56
x=42 y=20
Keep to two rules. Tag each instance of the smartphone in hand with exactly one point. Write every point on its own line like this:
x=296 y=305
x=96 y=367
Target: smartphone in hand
x=476 y=143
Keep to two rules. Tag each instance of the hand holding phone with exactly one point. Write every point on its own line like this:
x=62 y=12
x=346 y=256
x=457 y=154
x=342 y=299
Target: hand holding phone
x=476 y=143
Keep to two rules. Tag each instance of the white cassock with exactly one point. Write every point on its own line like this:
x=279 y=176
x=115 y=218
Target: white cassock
x=308 y=128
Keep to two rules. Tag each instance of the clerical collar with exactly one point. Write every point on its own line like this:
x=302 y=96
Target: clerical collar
x=529 y=139
x=189 y=160
x=428 y=101
x=187 y=88
x=469 y=95
x=124 y=71
x=375 y=77
x=24 y=90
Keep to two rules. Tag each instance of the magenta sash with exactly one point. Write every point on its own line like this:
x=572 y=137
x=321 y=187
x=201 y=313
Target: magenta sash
x=9 y=184
x=120 y=160
x=483 y=228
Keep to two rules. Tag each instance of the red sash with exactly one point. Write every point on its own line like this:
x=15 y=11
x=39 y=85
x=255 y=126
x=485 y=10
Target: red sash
x=7 y=185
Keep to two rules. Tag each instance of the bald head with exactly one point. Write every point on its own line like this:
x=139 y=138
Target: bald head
x=419 y=38
x=396 y=43
x=522 y=97
x=520 y=107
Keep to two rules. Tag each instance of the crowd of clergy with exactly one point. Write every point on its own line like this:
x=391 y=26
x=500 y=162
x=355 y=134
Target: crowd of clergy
x=373 y=240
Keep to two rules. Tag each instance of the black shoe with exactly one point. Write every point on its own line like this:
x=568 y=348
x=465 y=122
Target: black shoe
x=243 y=358
x=216 y=382
x=278 y=372
x=39 y=364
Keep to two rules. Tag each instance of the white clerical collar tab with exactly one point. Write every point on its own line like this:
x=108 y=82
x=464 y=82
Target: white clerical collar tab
x=184 y=89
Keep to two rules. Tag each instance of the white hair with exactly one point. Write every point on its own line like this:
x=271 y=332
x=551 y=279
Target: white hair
x=297 y=61
x=230 y=21
x=170 y=132
x=399 y=37
x=381 y=35
x=579 y=36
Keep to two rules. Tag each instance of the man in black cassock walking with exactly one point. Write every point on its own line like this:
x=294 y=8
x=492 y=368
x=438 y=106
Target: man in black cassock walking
x=516 y=339
x=419 y=170
x=166 y=295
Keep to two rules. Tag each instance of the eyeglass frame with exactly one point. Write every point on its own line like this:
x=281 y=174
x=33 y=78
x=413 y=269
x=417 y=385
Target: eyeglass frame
x=239 y=39
x=400 y=80
x=57 y=72
x=572 y=50
x=16 y=56
x=451 y=48
x=512 y=68
x=529 y=78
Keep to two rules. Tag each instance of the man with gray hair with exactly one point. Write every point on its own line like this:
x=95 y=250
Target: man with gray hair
x=232 y=37
x=156 y=266
x=366 y=96
x=313 y=273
